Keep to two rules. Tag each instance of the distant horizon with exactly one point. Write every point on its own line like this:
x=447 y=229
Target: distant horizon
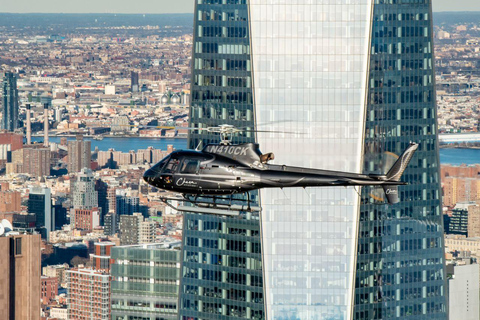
x=175 y=13
x=162 y=6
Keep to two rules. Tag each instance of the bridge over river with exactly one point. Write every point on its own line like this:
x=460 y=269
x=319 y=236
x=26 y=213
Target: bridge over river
x=459 y=137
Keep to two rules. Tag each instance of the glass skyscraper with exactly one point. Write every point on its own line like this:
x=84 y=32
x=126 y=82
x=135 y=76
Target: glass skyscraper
x=400 y=267
x=145 y=281
x=10 y=102
x=354 y=81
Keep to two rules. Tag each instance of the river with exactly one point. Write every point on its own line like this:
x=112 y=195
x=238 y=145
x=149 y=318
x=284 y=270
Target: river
x=451 y=156
x=126 y=144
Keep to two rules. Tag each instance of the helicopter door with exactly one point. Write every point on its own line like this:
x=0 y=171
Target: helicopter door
x=190 y=166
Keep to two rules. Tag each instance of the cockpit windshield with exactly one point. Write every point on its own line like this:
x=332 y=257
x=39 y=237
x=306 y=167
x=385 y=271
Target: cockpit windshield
x=159 y=166
x=171 y=166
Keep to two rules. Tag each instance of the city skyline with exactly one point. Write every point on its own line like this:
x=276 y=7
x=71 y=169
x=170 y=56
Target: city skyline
x=158 y=7
x=356 y=84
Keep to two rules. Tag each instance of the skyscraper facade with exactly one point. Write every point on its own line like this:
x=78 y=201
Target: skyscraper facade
x=221 y=271
x=20 y=262
x=353 y=83
x=400 y=255
x=145 y=282
x=79 y=154
x=40 y=204
x=88 y=294
x=84 y=194
x=10 y=102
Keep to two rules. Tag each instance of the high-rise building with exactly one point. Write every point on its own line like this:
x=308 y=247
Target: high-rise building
x=101 y=188
x=129 y=228
x=154 y=297
x=134 y=84
x=88 y=294
x=458 y=221
x=356 y=81
x=79 y=154
x=463 y=288
x=473 y=229
x=133 y=229
x=40 y=204
x=36 y=161
x=128 y=202
x=20 y=277
x=102 y=256
x=222 y=269
x=84 y=194
x=86 y=219
x=10 y=102
x=10 y=201
x=60 y=213
x=111 y=224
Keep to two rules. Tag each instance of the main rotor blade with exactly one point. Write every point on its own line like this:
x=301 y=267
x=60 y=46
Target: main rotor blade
x=271 y=131
x=267 y=123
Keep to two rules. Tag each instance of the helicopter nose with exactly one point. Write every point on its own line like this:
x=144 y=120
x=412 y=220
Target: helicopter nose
x=148 y=176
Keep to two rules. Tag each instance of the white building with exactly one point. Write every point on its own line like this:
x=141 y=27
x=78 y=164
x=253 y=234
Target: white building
x=463 y=292
x=110 y=89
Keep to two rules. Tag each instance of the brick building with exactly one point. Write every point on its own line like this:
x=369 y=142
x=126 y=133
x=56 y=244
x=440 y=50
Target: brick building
x=460 y=184
x=87 y=219
x=49 y=288
x=88 y=294
x=10 y=201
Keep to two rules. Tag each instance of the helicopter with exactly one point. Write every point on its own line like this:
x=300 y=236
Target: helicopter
x=229 y=169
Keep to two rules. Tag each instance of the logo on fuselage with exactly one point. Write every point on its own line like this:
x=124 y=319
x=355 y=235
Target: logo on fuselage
x=230 y=150
x=391 y=191
x=188 y=183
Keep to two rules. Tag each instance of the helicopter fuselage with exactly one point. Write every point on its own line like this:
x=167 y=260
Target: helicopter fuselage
x=235 y=169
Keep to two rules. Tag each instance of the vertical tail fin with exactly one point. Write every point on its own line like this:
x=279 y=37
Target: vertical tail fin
x=395 y=173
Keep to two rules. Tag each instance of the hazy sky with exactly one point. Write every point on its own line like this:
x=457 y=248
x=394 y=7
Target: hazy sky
x=161 y=6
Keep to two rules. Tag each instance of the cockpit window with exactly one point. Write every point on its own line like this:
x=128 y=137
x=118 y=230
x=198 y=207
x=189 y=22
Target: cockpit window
x=158 y=167
x=189 y=166
x=171 y=166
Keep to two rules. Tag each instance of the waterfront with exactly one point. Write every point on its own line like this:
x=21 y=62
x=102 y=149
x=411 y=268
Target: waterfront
x=125 y=144
x=455 y=156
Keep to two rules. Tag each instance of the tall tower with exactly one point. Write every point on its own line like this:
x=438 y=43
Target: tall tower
x=79 y=154
x=40 y=204
x=400 y=268
x=134 y=84
x=10 y=102
x=84 y=194
x=20 y=263
x=355 y=79
x=221 y=269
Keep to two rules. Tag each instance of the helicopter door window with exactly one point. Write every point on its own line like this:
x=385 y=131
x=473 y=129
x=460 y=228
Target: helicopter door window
x=171 y=166
x=189 y=166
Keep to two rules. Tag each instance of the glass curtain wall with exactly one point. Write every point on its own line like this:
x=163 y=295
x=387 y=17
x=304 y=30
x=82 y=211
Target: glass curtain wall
x=310 y=68
x=145 y=283
x=400 y=268
x=221 y=268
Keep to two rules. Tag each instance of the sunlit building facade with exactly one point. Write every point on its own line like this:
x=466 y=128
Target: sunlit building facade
x=352 y=83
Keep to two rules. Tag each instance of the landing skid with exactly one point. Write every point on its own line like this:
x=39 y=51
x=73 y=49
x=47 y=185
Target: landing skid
x=213 y=205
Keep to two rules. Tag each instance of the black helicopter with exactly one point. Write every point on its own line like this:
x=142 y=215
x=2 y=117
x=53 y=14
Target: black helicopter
x=227 y=169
